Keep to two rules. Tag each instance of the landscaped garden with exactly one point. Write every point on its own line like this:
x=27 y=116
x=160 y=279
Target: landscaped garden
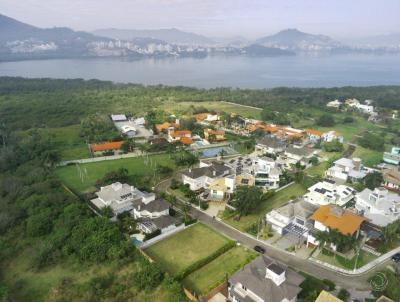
x=178 y=252
x=339 y=261
x=215 y=273
x=141 y=171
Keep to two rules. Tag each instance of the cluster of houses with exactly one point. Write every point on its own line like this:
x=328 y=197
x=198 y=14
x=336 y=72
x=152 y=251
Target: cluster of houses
x=150 y=213
x=331 y=204
x=354 y=104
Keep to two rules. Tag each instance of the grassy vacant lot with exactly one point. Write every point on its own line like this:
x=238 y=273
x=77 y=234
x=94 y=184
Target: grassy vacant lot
x=214 y=273
x=275 y=201
x=141 y=170
x=185 y=248
x=185 y=108
x=370 y=157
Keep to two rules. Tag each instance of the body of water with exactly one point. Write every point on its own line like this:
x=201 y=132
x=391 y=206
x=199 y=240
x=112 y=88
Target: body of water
x=220 y=71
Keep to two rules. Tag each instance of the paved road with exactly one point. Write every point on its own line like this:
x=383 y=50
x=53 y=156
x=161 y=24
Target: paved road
x=357 y=282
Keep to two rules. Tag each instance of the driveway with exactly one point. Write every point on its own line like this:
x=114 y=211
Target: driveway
x=359 y=282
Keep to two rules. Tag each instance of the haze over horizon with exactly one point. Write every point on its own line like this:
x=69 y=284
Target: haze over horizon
x=219 y=18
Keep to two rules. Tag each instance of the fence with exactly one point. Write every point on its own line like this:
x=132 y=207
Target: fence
x=161 y=237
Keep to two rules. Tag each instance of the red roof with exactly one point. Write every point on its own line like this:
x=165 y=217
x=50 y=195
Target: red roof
x=106 y=146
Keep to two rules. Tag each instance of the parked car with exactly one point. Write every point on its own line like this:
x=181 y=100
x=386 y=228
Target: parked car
x=396 y=257
x=259 y=249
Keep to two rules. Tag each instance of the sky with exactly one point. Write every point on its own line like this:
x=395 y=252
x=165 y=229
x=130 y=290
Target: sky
x=214 y=18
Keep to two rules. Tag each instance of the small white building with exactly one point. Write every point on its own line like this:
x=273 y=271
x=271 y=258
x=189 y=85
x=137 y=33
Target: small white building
x=334 y=104
x=380 y=206
x=328 y=192
x=119 y=118
x=331 y=136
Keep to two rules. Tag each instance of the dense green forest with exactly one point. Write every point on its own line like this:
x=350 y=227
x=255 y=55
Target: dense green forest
x=27 y=103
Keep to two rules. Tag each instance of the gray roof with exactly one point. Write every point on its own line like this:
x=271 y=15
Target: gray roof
x=304 y=151
x=219 y=169
x=164 y=221
x=299 y=207
x=253 y=276
x=271 y=142
x=157 y=205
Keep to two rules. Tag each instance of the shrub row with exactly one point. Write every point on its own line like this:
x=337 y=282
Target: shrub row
x=152 y=235
x=198 y=264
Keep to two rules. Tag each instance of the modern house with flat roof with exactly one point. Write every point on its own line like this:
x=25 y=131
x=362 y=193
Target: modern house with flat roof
x=264 y=280
x=293 y=218
x=328 y=192
x=379 y=206
x=348 y=170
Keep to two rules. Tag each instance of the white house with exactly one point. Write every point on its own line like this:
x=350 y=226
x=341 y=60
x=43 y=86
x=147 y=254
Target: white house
x=265 y=171
x=331 y=136
x=201 y=177
x=348 y=170
x=128 y=130
x=328 y=192
x=293 y=155
x=334 y=104
x=119 y=197
x=293 y=218
x=380 y=206
x=368 y=109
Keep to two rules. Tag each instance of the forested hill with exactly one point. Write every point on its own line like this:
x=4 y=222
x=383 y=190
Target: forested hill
x=26 y=103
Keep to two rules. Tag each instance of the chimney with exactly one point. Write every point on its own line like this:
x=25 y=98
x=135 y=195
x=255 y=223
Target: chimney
x=214 y=173
x=357 y=163
x=190 y=170
x=177 y=121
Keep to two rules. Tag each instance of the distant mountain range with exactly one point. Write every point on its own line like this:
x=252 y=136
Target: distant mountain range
x=21 y=41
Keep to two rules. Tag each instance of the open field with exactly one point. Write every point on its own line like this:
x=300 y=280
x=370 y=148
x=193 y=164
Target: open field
x=214 y=273
x=185 y=248
x=141 y=171
x=369 y=157
x=275 y=201
x=184 y=107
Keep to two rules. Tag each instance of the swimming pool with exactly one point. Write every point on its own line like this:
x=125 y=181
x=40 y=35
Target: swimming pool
x=214 y=152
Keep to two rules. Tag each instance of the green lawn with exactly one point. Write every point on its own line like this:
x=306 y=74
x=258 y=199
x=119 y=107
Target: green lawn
x=141 y=170
x=339 y=261
x=275 y=201
x=184 y=107
x=369 y=157
x=177 y=252
x=214 y=273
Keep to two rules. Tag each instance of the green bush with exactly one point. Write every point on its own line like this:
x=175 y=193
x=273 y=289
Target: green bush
x=343 y=294
x=330 y=285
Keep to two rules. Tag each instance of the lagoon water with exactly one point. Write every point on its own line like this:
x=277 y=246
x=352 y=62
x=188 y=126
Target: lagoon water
x=223 y=71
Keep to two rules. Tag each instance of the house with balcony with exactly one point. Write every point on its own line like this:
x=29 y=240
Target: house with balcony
x=200 y=178
x=222 y=189
x=119 y=197
x=293 y=218
x=380 y=206
x=264 y=280
x=334 y=217
x=348 y=170
x=327 y=192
